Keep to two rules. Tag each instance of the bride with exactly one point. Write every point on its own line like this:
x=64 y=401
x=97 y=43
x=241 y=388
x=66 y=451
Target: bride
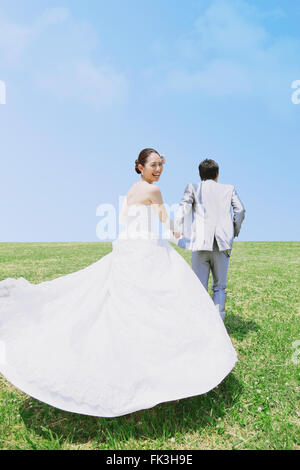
x=134 y=329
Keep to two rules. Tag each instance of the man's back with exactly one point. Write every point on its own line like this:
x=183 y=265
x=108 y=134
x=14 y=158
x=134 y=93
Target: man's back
x=204 y=217
x=211 y=204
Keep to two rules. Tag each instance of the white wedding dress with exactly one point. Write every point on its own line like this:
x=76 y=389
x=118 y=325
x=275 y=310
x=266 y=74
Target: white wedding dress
x=134 y=329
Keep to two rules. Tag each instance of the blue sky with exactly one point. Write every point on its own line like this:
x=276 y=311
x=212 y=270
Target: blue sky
x=90 y=83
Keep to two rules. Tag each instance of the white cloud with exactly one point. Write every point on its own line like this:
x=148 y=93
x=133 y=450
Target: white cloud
x=84 y=81
x=52 y=16
x=276 y=13
x=13 y=41
x=16 y=38
x=62 y=51
x=223 y=30
x=230 y=52
x=219 y=78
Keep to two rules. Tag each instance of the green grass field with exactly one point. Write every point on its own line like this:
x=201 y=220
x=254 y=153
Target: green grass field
x=255 y=407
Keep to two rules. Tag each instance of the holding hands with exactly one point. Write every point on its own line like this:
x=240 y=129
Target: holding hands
x=177 y=234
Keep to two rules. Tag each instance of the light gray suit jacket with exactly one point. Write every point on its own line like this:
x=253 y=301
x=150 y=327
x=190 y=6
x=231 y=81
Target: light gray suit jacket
x=205 y=212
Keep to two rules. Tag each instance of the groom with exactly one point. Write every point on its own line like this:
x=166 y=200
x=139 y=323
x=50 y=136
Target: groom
x=205 y=220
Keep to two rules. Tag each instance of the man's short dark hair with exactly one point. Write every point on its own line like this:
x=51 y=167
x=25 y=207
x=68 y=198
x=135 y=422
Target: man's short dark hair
x=208 y=170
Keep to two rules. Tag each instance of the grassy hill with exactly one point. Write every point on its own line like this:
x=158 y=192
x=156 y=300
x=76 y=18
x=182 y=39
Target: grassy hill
x=255 y=407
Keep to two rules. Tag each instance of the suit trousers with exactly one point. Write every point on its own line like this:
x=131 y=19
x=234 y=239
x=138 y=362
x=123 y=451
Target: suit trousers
x=218 y=262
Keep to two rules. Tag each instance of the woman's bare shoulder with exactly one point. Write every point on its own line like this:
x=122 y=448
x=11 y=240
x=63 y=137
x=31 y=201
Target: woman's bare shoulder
x=155 y=194
x=154 y=189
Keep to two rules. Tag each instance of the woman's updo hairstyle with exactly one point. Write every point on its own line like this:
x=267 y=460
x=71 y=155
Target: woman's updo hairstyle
x=143 y=156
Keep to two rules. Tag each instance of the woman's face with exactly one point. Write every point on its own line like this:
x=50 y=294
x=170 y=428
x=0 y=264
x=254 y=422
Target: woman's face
x=153 y=168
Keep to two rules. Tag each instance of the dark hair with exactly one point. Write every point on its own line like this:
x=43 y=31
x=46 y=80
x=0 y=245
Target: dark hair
x=208 y=170
x=143 y=156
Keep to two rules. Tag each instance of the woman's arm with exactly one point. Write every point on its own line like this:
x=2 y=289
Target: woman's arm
x=157 y=201
x=185 y=207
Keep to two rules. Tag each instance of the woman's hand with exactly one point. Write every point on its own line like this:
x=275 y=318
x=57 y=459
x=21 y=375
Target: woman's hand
x=177 y=234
